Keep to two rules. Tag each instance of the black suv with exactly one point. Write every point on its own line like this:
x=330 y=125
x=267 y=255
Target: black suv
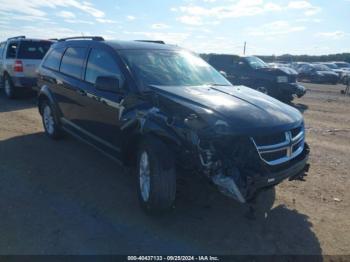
x=251 y=71
x=158 y=107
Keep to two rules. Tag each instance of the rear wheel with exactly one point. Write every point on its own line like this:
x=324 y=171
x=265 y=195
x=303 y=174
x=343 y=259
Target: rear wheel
x=50 y=123
x=156 y=176
x=9 y=88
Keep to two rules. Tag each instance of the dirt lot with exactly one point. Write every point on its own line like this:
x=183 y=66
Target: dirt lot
x=67 y=198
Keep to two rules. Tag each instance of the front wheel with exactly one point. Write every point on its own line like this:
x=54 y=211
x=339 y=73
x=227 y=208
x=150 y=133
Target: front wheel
x=156 y=176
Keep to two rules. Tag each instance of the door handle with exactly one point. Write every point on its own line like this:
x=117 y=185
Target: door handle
x=82 y=92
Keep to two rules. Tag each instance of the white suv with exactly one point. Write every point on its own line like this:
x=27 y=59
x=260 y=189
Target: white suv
x=19 y=59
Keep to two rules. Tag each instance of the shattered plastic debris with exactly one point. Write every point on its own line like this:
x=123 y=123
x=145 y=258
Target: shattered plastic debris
x=228 y=187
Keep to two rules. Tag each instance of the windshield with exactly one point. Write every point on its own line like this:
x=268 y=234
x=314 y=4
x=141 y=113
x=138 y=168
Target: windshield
x=255 y=62
x=321 y=68
x=171 y=68
x=33 y=49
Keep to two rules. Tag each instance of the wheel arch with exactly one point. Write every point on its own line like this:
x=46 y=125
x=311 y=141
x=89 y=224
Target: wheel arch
x=149 y=130
x=46 y=95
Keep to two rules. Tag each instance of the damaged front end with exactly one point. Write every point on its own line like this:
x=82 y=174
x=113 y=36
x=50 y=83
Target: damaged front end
x=241 y=166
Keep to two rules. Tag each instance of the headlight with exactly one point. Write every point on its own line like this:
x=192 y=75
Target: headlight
x=282 y=79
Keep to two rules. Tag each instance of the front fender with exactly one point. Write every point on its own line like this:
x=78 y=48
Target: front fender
x=150 y=122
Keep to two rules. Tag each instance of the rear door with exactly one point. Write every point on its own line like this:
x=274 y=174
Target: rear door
x=31 y=52
x=68 y=91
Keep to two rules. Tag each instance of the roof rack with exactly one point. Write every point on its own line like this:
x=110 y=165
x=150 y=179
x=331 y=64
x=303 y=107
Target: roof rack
x=94 y=38
x=16 y=37
x=152 y=41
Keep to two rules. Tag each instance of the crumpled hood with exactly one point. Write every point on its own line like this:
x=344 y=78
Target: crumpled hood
x=245 y=109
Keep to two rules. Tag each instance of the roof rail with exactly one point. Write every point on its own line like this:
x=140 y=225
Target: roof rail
x=16 y=37
x=152 y=41
x=94 y=38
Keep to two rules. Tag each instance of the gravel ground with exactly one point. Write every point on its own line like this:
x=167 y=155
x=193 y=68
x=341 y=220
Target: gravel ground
x=67 y=198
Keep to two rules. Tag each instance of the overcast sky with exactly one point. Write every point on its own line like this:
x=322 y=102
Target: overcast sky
x=221 y=26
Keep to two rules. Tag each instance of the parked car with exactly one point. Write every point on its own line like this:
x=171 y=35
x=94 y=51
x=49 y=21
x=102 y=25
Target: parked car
x=157 y=107
x=333 y=67
x=345 y=76
x=297 y=65
x=255 y=73
x=342 y=64
x=19 y=60
x=317 y=73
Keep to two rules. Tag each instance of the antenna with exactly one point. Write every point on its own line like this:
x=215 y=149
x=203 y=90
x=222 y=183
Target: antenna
x=245 y=46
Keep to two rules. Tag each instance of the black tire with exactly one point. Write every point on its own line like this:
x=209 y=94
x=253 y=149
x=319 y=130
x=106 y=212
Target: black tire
x=10 y=90
x=52 y=126
x=162 y=176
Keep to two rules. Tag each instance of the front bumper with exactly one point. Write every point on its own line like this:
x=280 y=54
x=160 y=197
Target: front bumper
x=26 y=82
x=230 y=185
x=292 y=89
x=294 y=170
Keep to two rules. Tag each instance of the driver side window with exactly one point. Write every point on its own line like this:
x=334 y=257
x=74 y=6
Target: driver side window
x=101 y=63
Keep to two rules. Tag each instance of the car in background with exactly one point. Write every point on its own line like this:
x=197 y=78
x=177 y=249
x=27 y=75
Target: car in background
x=317 y=73
x=297 y=65
x=345 y=76
x=342 y=64
x=333 y=67
x=251 y=71
x=19 y=60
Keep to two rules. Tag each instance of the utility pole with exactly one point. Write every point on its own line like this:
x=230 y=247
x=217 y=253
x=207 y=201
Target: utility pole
x=245 y=45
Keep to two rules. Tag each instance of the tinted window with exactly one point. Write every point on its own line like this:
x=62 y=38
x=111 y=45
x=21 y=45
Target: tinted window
x=54 y=58
x=101 y=63
x=33 y=49
x=12 y=50
x=72 y=61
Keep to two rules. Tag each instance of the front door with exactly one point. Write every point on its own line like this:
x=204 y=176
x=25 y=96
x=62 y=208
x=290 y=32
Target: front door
x=100 y=110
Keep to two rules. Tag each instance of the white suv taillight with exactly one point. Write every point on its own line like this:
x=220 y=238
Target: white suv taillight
x=18 y=66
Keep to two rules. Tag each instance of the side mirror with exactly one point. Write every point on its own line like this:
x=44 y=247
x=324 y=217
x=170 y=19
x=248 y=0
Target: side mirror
x=107 y=83
x=223 y=73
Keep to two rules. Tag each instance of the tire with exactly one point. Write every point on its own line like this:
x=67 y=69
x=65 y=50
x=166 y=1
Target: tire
x=51 y=125
x=9 y=88
x=156 y=176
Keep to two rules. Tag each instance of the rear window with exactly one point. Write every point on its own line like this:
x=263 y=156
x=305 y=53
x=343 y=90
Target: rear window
x=53 y=59
x=33 y=49
x=72 y=61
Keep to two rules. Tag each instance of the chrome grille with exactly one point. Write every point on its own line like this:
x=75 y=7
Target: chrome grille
x=286 y=146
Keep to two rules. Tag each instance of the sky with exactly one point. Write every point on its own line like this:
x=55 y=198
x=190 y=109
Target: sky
x=270 y=27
